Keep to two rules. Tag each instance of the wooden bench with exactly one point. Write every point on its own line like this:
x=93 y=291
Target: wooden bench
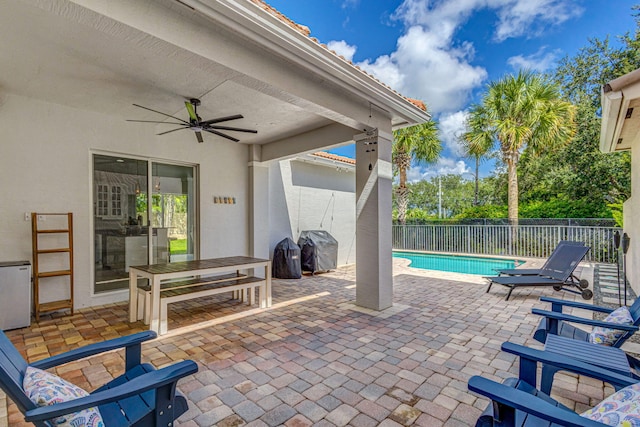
x=179 y=281
x=144 y=290
x=245 y=285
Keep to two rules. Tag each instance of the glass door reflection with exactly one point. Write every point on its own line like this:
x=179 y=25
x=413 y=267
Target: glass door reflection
x=144 y=213
x=120 y=228
x=173 y=212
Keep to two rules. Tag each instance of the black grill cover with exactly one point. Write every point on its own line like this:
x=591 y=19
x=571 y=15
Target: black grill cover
x=286 y=260
x=319 y=251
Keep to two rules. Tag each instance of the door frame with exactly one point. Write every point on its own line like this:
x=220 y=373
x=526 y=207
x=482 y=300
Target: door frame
x=91 y=196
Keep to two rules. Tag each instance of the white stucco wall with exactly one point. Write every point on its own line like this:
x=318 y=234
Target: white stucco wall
x=309 y=196
x=46 y=164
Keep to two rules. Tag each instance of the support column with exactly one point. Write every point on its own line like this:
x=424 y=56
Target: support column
x=374 y=283
x=258 y=205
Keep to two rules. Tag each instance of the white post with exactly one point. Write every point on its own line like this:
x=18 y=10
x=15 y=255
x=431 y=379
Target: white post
x=374 y=283
x=258 y=207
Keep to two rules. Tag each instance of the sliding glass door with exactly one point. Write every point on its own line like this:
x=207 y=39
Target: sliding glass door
x=144 y=213
x=173 y=212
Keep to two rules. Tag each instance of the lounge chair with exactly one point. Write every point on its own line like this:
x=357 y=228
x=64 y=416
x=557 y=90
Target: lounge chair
x=558 y=323
x=559 y=277
x=141 y=397
x=518 y=401
x=555 y=261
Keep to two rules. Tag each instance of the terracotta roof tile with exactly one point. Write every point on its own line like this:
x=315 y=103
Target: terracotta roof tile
x=304 y=30
x=335 y=157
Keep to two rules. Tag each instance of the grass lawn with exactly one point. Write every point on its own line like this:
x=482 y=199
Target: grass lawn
x=177 y=247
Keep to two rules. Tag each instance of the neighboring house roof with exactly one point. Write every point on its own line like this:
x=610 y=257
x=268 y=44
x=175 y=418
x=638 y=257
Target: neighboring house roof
x=620 y=126
x=335 y=157
x=307 y=32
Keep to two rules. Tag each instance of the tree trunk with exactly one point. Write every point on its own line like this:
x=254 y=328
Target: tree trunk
x=403 y=201
x=512 y=170
x=403 y=160
x=475 y=198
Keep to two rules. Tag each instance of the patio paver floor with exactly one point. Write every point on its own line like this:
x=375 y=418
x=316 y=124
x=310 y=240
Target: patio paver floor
x=315 y=358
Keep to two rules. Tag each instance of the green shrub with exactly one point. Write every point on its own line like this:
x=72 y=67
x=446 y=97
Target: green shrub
x=485 y=211
x=555 y=208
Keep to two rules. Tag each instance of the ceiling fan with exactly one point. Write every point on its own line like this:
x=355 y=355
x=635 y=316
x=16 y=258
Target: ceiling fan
x=196 y=123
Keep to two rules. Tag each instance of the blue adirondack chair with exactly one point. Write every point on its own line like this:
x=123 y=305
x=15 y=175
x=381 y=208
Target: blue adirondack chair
x=518 y=402
x=141 y=397
x=558 y=323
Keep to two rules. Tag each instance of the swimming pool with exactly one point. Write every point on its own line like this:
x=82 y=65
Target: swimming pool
x=457 y=263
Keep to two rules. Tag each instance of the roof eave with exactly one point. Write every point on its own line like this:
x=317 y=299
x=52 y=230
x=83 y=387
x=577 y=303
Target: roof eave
x=610 y=127
x=270 y=32
x=323 y=161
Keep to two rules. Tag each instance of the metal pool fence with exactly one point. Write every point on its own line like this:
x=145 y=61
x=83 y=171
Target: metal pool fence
x=504 y=239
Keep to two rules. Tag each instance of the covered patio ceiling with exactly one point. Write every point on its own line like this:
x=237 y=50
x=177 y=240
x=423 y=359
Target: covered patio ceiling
x=93 y=56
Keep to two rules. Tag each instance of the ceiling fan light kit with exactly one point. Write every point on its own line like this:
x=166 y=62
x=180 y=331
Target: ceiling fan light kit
x=196 y=124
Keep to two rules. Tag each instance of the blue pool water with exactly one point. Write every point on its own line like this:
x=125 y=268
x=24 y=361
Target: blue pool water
x=457 y=263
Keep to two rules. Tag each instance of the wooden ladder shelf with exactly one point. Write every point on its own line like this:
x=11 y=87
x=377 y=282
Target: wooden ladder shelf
x=45 y=242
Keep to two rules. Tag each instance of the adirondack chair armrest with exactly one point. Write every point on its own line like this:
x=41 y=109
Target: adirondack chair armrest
x=582 y=320
x=132 y=344
x=557 y=305
x=167 y=376
x=529 y=357
x=635 y=365
x=506 y=399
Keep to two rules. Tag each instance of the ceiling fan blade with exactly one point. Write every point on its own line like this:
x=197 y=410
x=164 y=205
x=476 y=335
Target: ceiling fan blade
x=192 y=111
x=231 y=128
x=153 y=121
x=221 y=134
x=172 y=130
x=160 y=112
x=199 y=137
x=222 y=119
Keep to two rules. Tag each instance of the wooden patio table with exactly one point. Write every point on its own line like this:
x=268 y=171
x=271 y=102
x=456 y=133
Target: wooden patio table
x=156 y=273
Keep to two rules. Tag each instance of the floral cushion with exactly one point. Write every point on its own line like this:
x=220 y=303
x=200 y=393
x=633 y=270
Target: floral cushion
x=620 y=409
x=44 y=389
x=607 y=336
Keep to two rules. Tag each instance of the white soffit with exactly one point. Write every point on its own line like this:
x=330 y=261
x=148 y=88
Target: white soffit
x=78 y=58
x=620 y=127
x=104 y=56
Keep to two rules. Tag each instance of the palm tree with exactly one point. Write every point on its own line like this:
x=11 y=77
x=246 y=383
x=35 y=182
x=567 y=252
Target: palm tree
x=418 y=144
x=522 y=111
x=477 y=142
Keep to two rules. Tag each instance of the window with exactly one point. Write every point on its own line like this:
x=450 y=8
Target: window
x=102 y=200
x=116 y=201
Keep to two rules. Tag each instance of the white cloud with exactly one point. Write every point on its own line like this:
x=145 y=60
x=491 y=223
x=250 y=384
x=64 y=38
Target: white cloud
x=540 y=61
x=444 y=166
x=449 y=166
x=515 y=17
x=417 y=173
x=427 y=67
x=450 y=127
x=532 y=17
x=349 y=3
x=342 y=48
x=431 y=65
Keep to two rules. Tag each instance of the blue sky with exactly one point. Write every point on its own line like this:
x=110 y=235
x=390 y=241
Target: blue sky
x=444 y=52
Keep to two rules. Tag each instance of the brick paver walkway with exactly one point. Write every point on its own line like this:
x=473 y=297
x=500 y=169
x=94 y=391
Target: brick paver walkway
x=315 y=358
